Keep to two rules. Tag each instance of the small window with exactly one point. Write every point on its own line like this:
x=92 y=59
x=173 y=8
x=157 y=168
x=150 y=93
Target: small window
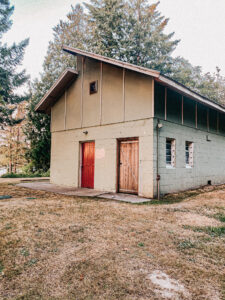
x=189 y=147
x=93 y=87
x=170 y=152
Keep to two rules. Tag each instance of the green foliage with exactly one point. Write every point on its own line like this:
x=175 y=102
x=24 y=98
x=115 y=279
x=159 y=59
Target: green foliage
x=1 y=267
x=32 y=262
x=129 y=30
x=108 y=29
x=25 y=252
x=210 y=230
x=132 y=31
x=220 y=217
x=72 y=32
x=28 y=168
x=26 y=175
x=8 y=226
x=141 y=244
x=209 y=85
x=147 y=44
x=10 y=79
x=186 y=244
x=37 y=129
x=171 y=198
x=106 y=21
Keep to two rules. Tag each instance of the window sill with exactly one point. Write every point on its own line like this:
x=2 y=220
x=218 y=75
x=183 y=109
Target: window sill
x=170 y=167
x=188 y=167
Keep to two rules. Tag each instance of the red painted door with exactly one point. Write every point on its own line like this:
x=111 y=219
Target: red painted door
x=88 y=165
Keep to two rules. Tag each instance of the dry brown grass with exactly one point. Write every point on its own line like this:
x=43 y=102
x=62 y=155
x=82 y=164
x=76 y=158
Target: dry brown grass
x=61 y=247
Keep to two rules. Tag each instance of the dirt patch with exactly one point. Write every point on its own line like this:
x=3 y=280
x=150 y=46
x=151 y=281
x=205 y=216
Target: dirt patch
x=167 y=287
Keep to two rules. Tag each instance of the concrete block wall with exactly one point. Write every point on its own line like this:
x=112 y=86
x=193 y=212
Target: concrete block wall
x=65 y=154
x=209 y=158
x=105 y=164
x=64 y=158
x=146 y=164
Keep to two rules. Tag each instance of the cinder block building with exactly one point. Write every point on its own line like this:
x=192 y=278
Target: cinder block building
x=118 y=127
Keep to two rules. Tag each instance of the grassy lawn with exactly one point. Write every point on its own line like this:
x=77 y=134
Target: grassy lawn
x=63 y=247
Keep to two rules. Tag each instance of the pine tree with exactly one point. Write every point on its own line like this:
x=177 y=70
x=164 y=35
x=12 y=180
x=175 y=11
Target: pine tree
x=106 y=23
x=132 y=31
x=71 y=33
x=147 y=45
x=37 y=131
x=10 y=58
x=129 y=30
x=13 y=143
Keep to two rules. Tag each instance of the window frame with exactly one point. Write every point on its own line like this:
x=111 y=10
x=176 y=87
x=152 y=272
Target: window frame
x=189 y=152
x=171 y=164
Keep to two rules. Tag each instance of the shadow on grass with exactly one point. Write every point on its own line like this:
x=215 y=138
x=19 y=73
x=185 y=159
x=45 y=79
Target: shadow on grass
x=172 y=198
x=179 y=197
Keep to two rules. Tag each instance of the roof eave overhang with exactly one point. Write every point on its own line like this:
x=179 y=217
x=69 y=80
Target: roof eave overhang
x=155 y=74
x=56 y=91
x=115 y=62
x=189 y=93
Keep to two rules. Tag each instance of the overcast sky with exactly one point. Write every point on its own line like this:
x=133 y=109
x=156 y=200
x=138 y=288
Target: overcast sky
x=200 y=24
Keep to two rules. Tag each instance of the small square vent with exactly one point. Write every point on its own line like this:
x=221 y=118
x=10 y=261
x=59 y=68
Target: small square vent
x=93 y=87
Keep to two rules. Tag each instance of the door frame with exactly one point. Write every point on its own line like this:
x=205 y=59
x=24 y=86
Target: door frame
x=119 y=140
x=80 y=161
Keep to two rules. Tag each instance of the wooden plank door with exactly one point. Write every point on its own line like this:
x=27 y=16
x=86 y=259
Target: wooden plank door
x=128 y=166
x=88 y=165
